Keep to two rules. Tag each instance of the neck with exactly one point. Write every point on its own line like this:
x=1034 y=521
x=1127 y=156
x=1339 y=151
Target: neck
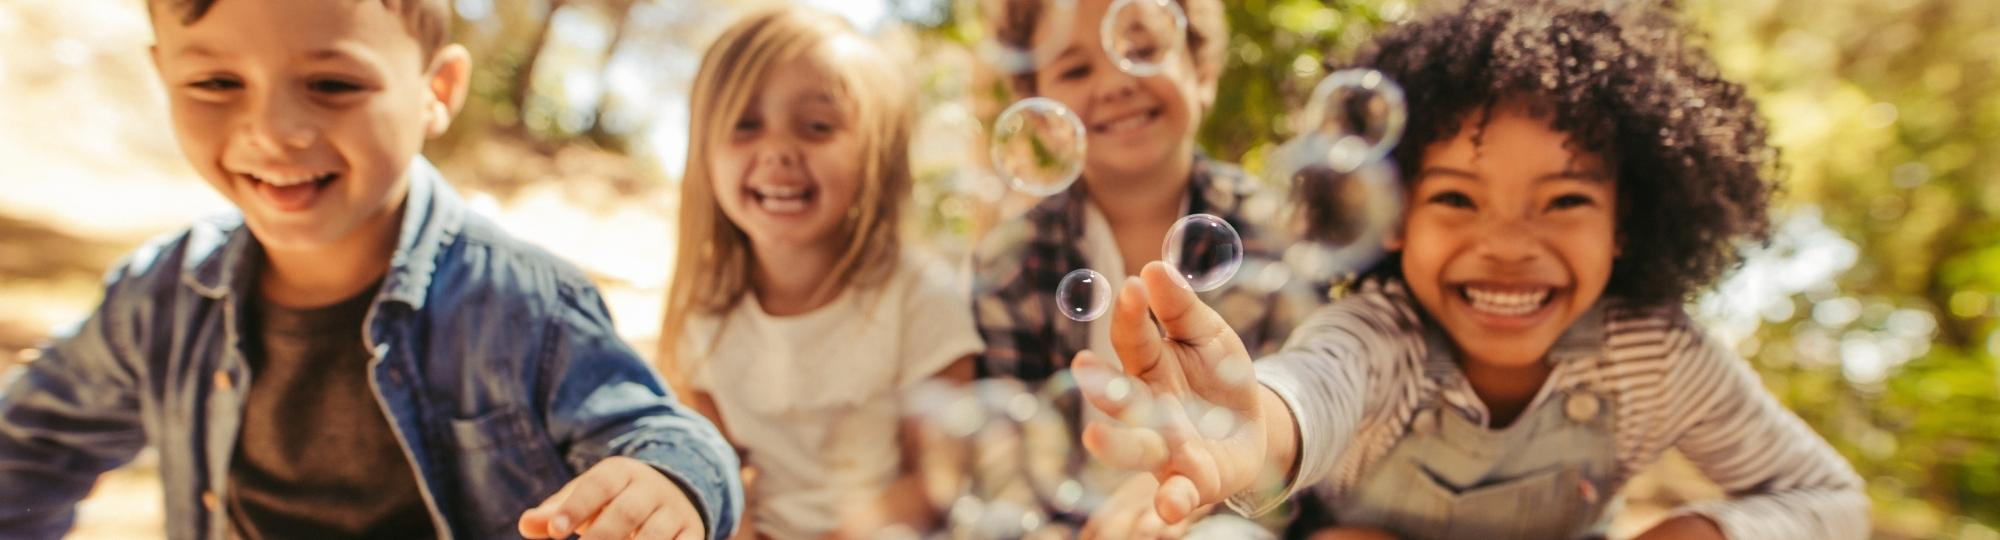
x=1140 y=208
x=788 y=281
x=1149 y=197
x=1506 y=390
x=324 y=275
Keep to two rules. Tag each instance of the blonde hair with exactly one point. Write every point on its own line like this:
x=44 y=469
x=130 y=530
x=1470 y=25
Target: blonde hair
x=713 y=261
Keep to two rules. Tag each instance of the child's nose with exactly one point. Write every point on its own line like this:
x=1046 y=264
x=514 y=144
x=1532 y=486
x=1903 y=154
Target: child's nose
x=280 y=125
x=1508 y=242
x=777 y=155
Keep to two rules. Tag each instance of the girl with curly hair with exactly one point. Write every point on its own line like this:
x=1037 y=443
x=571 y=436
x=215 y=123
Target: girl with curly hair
x=1575 y=171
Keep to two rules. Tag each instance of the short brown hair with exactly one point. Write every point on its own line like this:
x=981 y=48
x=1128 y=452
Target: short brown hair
x=429 y=20
x=1207 y=35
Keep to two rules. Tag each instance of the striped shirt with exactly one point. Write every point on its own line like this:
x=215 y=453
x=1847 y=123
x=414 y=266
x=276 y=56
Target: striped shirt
x=1353 y=375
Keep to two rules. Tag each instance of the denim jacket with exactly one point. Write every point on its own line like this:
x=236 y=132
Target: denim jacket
x=494 y=361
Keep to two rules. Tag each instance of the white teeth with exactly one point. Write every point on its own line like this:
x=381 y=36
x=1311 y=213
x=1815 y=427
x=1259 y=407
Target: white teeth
x=1511 y=303
x=288 y=181
x=1127 y=124
x=782 y=192
x=784 y=206
x=781 y=199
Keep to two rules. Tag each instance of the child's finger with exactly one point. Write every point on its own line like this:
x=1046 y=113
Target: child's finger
x=1182 y=315
x=1125 y=398
x=534 y=522
x=587 y=495
x=1194 y=464
x=1126 y=448
x=1176 y=499
x=1132 y=332
x=661 y=524
x=622 y=517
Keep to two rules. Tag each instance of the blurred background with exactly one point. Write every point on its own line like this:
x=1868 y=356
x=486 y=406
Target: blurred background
x=1873 y=314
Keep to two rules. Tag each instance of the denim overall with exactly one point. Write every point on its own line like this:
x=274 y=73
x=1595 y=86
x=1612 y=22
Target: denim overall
x=1545 y=476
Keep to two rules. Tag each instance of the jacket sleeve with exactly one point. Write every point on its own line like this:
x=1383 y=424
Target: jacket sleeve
x=607 y=402
x=69 y=416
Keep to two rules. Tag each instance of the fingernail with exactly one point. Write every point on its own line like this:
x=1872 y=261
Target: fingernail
x=561 y=525
x=1179 y=280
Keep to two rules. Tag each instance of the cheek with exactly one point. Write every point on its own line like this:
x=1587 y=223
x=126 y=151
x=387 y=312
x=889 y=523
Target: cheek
x=837 y=165
x=1590 y=244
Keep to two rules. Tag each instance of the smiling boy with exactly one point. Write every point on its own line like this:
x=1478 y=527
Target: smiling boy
x=354 y=353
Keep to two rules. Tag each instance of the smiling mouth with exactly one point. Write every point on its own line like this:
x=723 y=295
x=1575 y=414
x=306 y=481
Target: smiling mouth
x=292 y=181
x=1506 y=300
x=290 y=192
x=783 y=200
x=1128 y=122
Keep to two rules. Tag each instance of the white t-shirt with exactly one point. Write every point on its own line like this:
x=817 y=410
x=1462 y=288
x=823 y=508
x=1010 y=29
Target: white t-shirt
x=813 y=398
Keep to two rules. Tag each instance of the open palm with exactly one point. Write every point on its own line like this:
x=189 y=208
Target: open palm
x=1186 y=405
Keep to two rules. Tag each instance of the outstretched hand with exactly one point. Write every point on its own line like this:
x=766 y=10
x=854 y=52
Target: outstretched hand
x=1187 y=406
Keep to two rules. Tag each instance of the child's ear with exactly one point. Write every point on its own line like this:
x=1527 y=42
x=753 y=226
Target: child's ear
x=450 y=78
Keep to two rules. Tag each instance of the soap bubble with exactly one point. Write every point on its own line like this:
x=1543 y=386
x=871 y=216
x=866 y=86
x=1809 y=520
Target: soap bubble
x=1354 y=116
x=1084 y=295
x=1038 y=146
x=1140 y=36
x=1204 y=249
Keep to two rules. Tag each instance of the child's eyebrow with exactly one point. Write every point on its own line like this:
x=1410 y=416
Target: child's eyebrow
x=1581 y=175
x=1072 y=50
x=1447 y=171
x=197 y=51
x=1592 y=176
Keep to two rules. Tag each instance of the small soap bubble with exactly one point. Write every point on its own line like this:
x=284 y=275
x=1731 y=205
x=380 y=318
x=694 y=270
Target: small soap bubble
x=1205 y=250
x=1038 y=146
x=1338 y=221
x=1355 y=116
x=1084 y=295
x=1141 y=36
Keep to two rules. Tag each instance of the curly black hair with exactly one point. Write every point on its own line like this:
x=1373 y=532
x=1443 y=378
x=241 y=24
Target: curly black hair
x=1620 y=77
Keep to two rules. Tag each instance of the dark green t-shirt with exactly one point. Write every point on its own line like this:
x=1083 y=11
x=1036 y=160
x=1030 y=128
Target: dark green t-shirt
x=316 y=458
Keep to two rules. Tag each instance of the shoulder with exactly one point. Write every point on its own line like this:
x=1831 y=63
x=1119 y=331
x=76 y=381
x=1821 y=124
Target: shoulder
x=488 y=270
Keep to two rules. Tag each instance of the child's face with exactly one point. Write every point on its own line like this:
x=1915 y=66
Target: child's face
x=1134 y=124
x=304 y=114
x=1510 y=237
x=789 y=168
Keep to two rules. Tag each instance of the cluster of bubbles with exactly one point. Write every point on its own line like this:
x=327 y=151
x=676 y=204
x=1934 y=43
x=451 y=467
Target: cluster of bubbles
x=1002 y=458
x=1346 y=195
x=1346 y=198
x=1038 y=144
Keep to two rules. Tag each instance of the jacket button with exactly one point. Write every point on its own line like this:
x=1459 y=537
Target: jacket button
x=1582 y=407
x=223 y=381
x=208 y=500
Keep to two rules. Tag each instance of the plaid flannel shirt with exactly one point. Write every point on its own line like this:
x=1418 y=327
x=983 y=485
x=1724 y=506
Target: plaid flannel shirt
x=1019 y=264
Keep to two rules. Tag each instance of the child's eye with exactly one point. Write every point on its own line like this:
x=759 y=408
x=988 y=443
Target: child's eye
x=1452 y=199
x=333 y=86
x=1570 y=201
x=216 y=84
x=749 y=124
x=1074 y=73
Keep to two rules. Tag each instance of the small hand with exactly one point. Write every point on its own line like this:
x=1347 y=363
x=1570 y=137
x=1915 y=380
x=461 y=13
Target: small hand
x=619 y=498
x=1198 y=370
x=1128 y=513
